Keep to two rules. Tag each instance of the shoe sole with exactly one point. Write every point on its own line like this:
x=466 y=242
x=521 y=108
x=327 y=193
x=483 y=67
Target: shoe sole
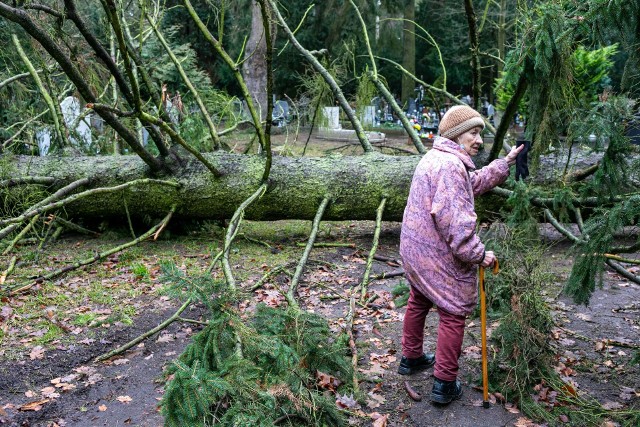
x=408 y=371
x=442 y=400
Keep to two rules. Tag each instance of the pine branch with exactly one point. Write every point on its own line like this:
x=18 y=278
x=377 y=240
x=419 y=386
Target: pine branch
x=55 y=196
x=44 y=92
x=417 y=142
x=556 y=224
x=21 y=18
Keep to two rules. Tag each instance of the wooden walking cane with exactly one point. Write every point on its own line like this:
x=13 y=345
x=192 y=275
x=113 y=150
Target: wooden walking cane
x=483 y=331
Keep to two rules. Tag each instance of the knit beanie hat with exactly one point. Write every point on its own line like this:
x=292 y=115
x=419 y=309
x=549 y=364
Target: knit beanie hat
x=459 y=119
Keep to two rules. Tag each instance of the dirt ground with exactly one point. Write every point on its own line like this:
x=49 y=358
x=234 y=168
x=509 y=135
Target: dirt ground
x=51 y=379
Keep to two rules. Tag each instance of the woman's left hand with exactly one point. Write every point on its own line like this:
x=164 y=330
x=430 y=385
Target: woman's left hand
x=511 y=157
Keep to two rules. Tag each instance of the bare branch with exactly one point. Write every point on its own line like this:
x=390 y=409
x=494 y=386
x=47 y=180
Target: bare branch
x=21 y=18
x=203 y=109
x=293 y=286
x=55 y=205
x=337 y=92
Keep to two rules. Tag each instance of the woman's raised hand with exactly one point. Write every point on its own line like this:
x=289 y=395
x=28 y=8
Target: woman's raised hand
x=511 y=157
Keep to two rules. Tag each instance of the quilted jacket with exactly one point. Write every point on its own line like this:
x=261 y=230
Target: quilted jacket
x=438 y=242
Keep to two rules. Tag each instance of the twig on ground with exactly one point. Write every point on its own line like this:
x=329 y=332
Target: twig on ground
x=9 y=270
x=290 y=296
x=374 y=248
x=351 y=315
x=622 y=271
x=147 y=334
x=23 y=287
x=330 y=245
x=75 y=227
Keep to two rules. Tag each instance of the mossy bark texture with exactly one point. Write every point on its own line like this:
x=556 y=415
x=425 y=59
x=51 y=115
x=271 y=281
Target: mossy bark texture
x=296 y=187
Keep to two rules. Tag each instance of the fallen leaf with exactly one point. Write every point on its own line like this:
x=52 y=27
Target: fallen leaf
x=612 y=405
x=563 y=418
x=511 y=408
x=124 y=399
x=102 y=408
x=626 y=393
x=50 y=392
x=29 y=394
x=327 y=381
x=120 y=361
x=37 y=352
x=164 y=338
x=382 y=421
x=345 y=401
x=585 y=317
x=5 y=313
x=33 y=406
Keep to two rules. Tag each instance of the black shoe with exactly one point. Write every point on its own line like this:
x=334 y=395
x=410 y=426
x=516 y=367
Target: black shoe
x=444 y=392
x=411 y=366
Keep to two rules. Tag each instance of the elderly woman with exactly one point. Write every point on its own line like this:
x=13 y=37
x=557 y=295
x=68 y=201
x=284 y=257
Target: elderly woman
x=440 y=248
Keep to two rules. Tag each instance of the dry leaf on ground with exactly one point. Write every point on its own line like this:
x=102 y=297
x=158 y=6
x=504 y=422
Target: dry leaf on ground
x=33 y=406
x=37 y=352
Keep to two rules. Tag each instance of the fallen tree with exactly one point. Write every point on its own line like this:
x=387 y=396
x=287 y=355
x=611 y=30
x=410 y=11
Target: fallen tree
x=296 y=186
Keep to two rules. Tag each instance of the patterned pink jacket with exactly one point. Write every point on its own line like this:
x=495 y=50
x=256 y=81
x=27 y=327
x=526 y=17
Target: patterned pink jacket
x=438 y=242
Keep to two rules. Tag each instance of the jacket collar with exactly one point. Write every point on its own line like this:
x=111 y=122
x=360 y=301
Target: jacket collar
x=448 y=146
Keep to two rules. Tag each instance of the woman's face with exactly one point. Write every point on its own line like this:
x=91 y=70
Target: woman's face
x=471 y=140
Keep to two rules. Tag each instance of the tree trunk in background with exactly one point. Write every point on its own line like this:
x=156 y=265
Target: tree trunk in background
x=254 y=69
x=409 y=50
x=630 y=81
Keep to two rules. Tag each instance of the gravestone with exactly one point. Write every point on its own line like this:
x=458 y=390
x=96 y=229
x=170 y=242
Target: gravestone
x=80 y=135
x=43 y=139
x=331 y=117
x=368 y=115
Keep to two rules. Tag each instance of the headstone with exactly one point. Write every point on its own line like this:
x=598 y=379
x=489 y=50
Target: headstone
x=80 y=136
x=43 y=139
x=368 y=115
x=331 y=117
x=412 y=107
x=280 y=112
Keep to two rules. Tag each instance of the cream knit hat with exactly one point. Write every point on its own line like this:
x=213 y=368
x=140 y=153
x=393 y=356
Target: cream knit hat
x=459 y=119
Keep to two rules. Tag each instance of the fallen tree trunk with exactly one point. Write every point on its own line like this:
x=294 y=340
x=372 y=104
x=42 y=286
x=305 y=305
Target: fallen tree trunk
x=355 y=185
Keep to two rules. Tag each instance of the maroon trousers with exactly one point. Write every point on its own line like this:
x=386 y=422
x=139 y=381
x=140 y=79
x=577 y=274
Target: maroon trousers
x=450 y=334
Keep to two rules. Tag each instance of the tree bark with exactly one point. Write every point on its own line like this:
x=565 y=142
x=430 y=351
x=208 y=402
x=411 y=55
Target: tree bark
x=355 y=186
x=254 y=69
